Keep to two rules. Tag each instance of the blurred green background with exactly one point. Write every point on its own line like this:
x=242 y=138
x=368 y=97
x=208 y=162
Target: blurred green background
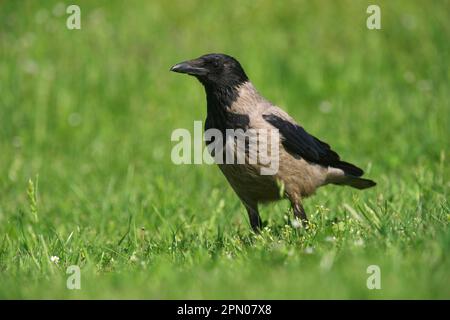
x=85 y=171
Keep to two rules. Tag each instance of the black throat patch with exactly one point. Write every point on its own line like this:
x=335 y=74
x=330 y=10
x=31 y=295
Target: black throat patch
x=219 y=116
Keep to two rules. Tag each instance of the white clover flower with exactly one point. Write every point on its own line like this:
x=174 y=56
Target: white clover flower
x=296 y=224
x=133 y=257
x=54 y=259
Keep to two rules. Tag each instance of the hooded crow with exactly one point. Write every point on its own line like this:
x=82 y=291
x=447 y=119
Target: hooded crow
x=305 y=162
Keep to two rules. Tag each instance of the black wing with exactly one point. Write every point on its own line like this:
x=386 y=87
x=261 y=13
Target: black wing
x=298 y=142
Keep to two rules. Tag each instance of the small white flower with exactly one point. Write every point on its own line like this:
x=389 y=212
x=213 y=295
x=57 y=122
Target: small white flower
x=54 y=259
x=309 y=250
x=330 y=239
x=133 y=257
x=359 y=242
x=296 y=224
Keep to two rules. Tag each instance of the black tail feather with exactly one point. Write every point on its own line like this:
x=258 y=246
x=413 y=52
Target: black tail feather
x=349 y=169
x=359 y=183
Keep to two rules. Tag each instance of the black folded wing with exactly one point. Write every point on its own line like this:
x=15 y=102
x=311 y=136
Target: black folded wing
x=298 y=142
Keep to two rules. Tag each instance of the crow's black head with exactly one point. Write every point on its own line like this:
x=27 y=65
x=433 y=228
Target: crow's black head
x=214 y=70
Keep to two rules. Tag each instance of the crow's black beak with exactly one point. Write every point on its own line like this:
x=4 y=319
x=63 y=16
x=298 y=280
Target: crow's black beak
x=190 y=67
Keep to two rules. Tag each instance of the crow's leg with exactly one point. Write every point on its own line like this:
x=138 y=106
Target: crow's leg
x=299 y=212
x=297 y=208
x=253 y=215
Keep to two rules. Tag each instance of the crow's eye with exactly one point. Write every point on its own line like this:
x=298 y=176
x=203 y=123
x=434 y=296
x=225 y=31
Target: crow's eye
x=216 y=63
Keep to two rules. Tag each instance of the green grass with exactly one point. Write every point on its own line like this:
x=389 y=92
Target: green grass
x=85 y=124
